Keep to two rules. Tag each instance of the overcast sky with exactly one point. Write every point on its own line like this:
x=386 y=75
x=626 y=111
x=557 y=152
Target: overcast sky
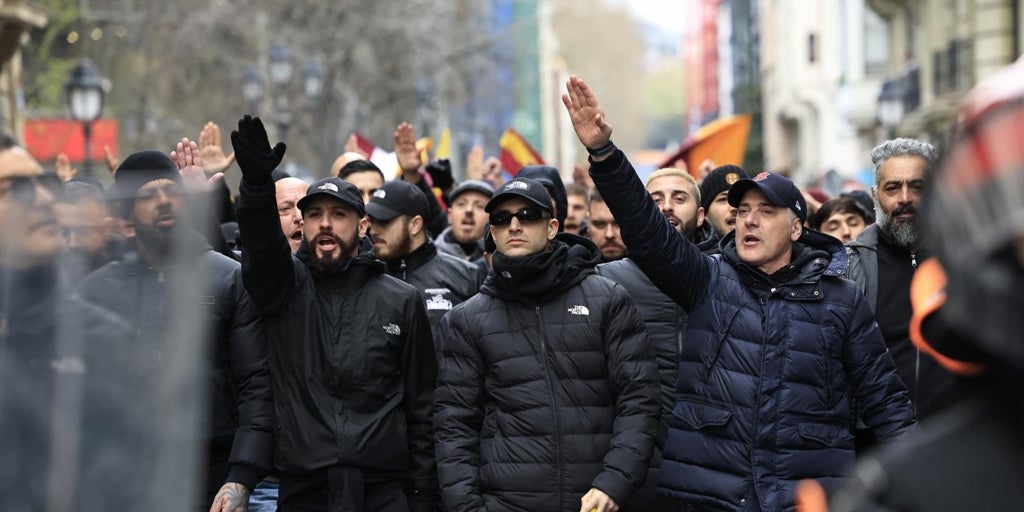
x=666 y=14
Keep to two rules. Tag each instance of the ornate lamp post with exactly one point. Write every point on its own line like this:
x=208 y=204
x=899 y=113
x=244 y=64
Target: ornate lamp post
x=85 y=90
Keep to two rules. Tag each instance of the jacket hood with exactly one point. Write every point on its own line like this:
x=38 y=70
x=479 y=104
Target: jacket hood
x=533 y=278
x=833 y=259
x=552 y=181
x=706 y=239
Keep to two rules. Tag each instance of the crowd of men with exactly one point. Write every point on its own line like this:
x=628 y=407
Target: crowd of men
x=421 y=344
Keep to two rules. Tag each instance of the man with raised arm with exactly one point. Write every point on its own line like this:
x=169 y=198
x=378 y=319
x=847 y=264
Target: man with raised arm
x=351 y=356
x=776 y=346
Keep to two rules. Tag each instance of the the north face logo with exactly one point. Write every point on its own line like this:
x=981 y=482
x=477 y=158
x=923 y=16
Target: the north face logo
x=392 y=329
x=517 y=185
x=797 y=205
x=380 y=193
x=328 y=186
x=579 y=310
x=761 y=176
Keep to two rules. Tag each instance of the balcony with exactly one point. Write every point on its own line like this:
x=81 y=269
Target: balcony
x=952 y=68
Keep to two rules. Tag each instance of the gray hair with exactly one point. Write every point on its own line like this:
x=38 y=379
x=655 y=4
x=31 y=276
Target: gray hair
x=904 y=147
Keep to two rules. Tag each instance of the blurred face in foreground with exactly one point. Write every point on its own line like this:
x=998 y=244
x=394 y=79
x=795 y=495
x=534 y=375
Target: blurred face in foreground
x=29 y=232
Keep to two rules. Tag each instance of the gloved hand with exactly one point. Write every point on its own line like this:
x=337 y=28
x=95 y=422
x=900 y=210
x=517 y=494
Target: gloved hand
x=253 y=152
x=441 y=173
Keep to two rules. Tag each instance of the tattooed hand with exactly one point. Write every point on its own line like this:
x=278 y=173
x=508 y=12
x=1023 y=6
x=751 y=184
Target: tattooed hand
x=231 y=497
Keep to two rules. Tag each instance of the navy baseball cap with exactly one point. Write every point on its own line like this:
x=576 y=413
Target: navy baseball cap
x=472 y=186
x=778 y=189
x=397 y=198
x=531 y=190
x=334 y=187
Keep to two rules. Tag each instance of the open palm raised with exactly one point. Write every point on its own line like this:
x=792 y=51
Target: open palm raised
x=586 y=114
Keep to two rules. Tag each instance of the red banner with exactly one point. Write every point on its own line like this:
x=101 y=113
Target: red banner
x=46 y=138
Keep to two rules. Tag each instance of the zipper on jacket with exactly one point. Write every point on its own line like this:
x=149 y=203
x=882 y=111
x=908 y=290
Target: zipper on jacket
x=917 y=351
x=554 y=406
x=403 y=271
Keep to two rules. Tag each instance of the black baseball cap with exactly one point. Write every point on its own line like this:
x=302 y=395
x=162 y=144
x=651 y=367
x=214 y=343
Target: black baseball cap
x=335 y=187
x=778 y=189
x=396 y=198
x=471 y=186
x=531 y=190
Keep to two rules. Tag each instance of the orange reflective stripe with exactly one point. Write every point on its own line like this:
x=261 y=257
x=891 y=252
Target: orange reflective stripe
x=927 y=295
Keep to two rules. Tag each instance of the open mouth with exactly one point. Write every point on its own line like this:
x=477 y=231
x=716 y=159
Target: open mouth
x=326 y=243
x=296 y=236
x=750 y=240
x=165 y=221
x=674 y=221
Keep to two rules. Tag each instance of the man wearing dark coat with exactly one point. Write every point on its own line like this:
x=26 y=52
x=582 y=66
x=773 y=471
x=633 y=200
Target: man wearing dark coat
x=547 y=395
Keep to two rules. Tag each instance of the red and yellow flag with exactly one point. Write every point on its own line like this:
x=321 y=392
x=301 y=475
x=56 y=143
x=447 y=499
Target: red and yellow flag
x=516 y=152
x=723 y=141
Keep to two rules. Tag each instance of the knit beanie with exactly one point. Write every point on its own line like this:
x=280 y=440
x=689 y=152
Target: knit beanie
x=135 y=171
x=717 y=181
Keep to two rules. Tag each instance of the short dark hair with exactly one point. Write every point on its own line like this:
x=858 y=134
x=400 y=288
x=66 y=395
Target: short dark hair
x=360 y=166
x=834 y=206
x=575 y=189
x=75 y=191
x=594 y=195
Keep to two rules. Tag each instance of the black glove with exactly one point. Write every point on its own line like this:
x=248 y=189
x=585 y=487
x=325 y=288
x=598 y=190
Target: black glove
x=253 y=152
x=441 y=173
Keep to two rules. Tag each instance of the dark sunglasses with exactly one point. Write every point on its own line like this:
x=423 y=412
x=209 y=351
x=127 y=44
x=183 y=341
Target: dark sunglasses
x=23 y=188
x=525 y=216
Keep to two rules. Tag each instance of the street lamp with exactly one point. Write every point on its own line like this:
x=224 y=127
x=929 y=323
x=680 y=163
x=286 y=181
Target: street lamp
x=890 y=106
x=85 y=90
x=252 y=85
x=314 y=74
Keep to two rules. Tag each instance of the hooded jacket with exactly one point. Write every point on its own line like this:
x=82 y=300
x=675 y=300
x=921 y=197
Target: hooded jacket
x=240 y=429
x=552 y=180
x=769 y=364
x=547 y=387
x=352 y=361
x=443 y=280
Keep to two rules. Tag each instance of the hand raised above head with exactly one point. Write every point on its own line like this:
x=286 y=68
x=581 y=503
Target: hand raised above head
x=212 y=150
x=405 y=149
x=586 y=114
x=253 y=153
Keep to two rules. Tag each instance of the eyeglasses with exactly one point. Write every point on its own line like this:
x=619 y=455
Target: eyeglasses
x=525 y=216
x=23 y=188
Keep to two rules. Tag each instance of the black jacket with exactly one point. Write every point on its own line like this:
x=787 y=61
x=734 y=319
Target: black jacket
x=547 y=388
x=664 y=319
x=443 y=280
x=352 y=359
x=240 y=429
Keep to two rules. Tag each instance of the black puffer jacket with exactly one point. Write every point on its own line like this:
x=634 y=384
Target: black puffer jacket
x=240 y=432
x=352 y=359
x=664 y=319
x=443 y=280
x=547 y=387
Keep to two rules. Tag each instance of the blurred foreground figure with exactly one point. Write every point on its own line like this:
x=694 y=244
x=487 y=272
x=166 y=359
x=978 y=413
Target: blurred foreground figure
x=972 y=456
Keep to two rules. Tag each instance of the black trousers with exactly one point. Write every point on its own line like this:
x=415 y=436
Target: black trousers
x=340 y=489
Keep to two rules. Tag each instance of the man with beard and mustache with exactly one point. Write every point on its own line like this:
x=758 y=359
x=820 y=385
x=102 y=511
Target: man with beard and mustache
x=467 y=221
x=352 y=358
x=547 y=395
x=148 y=192
x=397 y=214
x=677 y=195
x=603 y=229
x=882 y=261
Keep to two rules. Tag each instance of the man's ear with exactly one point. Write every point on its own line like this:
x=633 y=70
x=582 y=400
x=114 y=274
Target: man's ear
x=552 y=228
x=798 y=230
x=700 y=216
x=416 y=225
x=363 y=224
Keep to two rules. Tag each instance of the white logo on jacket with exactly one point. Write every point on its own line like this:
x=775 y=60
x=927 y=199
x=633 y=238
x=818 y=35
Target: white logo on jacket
x=579 y=310
x=392 y=329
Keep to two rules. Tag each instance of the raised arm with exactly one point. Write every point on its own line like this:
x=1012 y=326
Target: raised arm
x=677 y=267
x=267 y=270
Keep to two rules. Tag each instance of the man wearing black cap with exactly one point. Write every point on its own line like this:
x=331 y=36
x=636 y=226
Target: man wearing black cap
x=149 y=192
x=467 y=220
x=397 y=213
x=352 y=359
x=713 y=194
x=777 y=344
x=547 y=393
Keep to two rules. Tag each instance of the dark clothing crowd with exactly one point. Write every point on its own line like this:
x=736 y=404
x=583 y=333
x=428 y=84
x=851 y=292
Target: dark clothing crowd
x=720 y=342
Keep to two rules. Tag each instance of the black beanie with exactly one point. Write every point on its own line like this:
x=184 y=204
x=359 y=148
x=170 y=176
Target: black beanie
x=135 y=171
x=717 y=181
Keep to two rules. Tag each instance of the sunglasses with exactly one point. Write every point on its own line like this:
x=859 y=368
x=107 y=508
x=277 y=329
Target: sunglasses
x=525 y=216
x=23 y=188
